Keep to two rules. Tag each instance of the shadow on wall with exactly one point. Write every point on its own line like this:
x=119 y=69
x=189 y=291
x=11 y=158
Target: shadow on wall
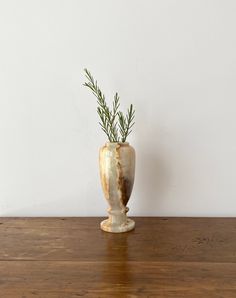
x=153 y=179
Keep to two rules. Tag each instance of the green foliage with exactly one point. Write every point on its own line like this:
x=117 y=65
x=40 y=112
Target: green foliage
x=126 y=123
x=111 y=120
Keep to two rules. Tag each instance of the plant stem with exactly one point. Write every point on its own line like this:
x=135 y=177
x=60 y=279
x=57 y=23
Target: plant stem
x=108 y=117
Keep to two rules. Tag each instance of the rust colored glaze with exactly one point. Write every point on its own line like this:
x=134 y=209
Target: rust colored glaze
x=117 y=165
x=124 y=186
x=121 y=181
x=105 y=185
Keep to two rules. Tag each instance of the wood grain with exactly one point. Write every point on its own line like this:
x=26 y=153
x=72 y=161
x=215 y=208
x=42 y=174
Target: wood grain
x=162 y=257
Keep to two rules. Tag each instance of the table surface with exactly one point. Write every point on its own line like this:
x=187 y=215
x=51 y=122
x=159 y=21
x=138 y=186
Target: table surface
x=162 y=257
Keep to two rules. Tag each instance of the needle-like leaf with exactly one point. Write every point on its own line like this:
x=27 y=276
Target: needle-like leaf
x=108 y=117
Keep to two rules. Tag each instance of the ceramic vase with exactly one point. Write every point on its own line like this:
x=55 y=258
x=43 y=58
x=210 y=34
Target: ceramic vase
x=117 y=170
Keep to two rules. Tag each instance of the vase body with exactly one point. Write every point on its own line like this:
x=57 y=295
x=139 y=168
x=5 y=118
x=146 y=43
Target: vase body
x=117 y=170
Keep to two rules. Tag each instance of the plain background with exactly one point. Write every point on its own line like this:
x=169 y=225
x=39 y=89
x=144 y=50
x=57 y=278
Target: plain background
x=174 y=60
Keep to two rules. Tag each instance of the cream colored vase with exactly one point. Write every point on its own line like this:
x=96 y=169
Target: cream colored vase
x=117 y=169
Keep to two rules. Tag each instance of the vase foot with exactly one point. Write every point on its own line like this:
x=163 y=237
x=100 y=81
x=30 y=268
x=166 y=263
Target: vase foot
x=107 y=226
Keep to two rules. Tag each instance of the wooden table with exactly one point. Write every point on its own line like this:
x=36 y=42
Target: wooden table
x=162 y=257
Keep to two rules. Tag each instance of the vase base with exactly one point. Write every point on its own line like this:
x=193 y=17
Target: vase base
x=107 y=226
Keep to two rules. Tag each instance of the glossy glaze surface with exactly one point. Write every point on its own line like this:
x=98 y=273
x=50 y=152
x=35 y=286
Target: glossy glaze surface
x=117 y=171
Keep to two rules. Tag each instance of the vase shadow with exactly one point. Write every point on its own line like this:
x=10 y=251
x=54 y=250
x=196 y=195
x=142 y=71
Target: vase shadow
x=154 y=179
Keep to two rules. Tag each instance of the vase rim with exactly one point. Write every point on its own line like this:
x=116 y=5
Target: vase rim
x=117 y=143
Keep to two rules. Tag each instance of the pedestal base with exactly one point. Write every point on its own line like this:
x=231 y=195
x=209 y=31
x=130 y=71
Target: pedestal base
x=113 y=227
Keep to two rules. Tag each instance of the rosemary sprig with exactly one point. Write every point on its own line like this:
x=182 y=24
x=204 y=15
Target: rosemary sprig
x=108 y=117
x=126 y=123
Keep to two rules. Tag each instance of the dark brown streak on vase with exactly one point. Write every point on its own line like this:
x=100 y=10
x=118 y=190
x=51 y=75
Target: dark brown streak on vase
x=124 y=184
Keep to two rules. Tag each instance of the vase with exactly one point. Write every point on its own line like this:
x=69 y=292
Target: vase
x=117 y=170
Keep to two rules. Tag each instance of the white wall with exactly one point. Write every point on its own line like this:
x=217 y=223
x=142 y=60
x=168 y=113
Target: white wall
x=174 y=60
